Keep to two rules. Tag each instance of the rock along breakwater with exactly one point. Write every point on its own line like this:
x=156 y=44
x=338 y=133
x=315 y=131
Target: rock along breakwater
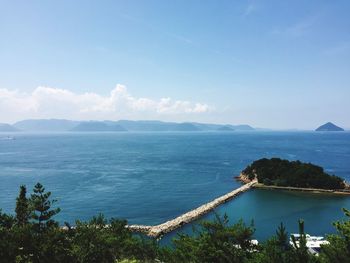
x=168 y=226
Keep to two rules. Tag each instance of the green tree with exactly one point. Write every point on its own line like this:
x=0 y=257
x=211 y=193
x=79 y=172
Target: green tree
x=282 y=237
x=92 y=241
x=22 y=207
x=214 y=241
x=275 y=249
x=300 y=252
x=7 y=241
x=6 y=221
x=49 y=243
x=54 y=246
x=41 y=206
x=338 y=249
x=300 y=245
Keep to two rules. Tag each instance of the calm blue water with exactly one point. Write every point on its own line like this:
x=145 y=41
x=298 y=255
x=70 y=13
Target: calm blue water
x=148 y=178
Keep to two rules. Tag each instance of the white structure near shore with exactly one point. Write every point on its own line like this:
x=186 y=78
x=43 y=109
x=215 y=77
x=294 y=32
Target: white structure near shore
x=313 y=243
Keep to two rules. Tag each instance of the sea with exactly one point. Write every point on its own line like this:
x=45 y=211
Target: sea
x=151 y=177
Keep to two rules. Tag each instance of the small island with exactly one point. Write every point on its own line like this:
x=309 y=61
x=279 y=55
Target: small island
x=329 y=127
x=293 y=175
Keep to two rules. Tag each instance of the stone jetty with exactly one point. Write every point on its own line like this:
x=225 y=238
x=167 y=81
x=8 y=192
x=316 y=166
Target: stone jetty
x=159 y=230
x=139 y=228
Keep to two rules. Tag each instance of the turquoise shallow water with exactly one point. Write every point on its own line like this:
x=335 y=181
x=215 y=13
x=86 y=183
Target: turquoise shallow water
x=148 y=178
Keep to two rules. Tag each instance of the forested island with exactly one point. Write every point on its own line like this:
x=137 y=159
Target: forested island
x=284 y=173
x=32 y=235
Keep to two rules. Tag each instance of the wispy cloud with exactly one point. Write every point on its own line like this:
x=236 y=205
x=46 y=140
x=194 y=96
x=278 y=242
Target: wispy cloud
x=298 y=29
x=46 y=102
x=180 y=38
x=250 y=9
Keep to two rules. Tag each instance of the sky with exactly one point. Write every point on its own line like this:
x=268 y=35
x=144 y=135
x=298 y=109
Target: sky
x=271 y=64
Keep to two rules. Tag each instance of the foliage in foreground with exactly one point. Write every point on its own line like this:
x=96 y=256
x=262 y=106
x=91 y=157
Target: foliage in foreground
x=33 y=236
x=276 y=171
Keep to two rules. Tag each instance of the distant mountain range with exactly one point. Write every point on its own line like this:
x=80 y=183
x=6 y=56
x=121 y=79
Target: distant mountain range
x=48 y=125
x=4 y=127
x=61 y=125
x=56 y=125
x=94 y=126
x=329 y=127
x=226 y=128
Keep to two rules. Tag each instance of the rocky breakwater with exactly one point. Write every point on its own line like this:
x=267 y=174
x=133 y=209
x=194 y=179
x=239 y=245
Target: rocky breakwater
x=159 y=230
x=243 y=178
x=139 y=228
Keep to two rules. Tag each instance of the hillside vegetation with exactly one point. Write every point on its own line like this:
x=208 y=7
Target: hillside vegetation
x=280 y=172
x=32 y=235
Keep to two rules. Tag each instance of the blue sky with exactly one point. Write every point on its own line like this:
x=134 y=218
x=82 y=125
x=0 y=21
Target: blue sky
x=275 y=64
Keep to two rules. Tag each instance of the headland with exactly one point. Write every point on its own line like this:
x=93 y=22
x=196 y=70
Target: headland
x=278 y=174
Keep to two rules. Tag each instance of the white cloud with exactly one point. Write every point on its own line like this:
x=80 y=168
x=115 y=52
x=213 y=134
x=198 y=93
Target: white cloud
x=46 y=102
x=251 y=8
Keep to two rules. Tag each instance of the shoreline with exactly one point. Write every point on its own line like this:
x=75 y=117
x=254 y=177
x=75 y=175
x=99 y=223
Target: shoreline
x=243 y=178
x=300 y=189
